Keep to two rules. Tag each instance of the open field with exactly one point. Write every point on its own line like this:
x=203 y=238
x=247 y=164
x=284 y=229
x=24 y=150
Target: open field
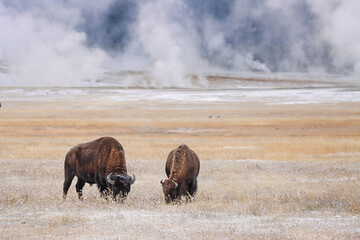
x=275 y=164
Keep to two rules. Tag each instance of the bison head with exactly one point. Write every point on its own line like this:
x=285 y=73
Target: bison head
x=169 y=188
x=120 y=184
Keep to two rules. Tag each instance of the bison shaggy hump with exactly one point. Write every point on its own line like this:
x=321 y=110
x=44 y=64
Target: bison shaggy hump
x=101 y=161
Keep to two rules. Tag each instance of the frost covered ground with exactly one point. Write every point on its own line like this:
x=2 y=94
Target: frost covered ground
x=236 y=199
x=276 y=163
x=243 y=95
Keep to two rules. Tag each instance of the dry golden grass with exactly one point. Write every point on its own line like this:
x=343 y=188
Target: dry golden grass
x=236 y=198
x=309 y=132
x=267 y=171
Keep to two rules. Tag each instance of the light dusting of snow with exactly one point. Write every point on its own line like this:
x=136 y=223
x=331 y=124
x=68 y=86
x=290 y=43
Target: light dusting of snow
x=266 y=96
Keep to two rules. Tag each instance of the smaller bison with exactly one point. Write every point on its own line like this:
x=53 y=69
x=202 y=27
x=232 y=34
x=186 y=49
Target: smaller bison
x=182 y=168
x=101 y=161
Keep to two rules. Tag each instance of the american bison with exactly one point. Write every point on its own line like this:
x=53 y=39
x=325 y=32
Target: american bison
x=101 y=161
x=182 y=168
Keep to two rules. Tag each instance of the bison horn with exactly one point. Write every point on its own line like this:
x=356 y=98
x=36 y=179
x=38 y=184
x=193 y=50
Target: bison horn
x=133 y=179
x=162 y=181
x=176 y=185
x=108 y=178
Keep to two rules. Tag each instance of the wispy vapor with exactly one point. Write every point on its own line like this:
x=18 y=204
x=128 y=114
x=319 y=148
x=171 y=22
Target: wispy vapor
x=71 y=42
x=42 y=46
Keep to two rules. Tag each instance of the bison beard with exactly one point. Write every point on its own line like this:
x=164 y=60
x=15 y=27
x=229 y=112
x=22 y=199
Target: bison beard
x=101 y=161
x=182 y=168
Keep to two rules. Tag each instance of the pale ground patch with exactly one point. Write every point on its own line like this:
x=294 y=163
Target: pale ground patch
x=275 y=171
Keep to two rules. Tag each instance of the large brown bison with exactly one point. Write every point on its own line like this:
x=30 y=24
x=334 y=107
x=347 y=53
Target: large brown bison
x=182 y=168
x=101 y=161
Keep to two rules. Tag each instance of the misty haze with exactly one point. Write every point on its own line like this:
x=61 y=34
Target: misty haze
x=265 y=93
x=169 y=43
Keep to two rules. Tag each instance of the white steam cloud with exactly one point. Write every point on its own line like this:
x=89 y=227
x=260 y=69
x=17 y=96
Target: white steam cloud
x=73 y=42
x=342 y=30
x=163 y=42
x=45 y=49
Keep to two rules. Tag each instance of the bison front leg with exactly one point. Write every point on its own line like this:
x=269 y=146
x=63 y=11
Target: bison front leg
x=104 y=191
x=79 y=186
x=181 y=191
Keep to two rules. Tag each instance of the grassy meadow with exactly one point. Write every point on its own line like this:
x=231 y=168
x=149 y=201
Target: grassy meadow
x=279 y=171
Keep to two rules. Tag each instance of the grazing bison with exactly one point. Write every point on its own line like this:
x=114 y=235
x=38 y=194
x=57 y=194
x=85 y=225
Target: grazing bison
x=101 y=161
x=182 y=168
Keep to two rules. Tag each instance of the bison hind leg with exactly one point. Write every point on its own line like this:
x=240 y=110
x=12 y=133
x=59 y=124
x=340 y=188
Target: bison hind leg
x=69 y=176
x=79 y=186
x=192 y=188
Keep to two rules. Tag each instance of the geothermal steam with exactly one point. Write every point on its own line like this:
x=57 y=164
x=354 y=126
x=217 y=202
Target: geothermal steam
x=72 y=42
